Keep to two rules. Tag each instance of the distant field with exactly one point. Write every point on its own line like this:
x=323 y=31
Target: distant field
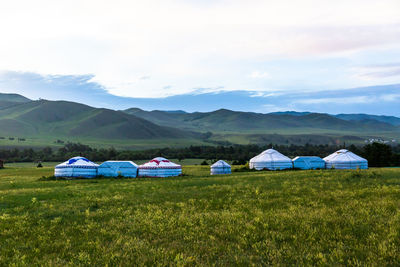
x=275 y=136
x=139 y=144
x=322 y=217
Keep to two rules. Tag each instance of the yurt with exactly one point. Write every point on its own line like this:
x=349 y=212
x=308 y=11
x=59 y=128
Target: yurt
x=272 y=160
x=220 y=167
x=344 y=159
x=113 y=168
x=76 y=167
x=159 y=167
x=308 y=163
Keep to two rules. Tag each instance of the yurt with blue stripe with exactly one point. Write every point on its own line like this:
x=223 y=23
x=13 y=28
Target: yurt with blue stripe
x=76 y=167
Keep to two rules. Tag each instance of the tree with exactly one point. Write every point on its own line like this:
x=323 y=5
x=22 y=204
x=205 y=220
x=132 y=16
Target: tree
x=378 y=155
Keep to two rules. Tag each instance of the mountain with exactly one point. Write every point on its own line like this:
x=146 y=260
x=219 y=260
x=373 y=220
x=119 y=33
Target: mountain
x=293 y=113
x=13 y=98
x=224 y=120
x=69 y=119
x=363 y=117
x=48 y=121
x=175 y=111
x=8 y=100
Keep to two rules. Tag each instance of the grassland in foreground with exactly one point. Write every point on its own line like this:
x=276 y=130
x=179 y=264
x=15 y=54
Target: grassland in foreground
x=289 y=217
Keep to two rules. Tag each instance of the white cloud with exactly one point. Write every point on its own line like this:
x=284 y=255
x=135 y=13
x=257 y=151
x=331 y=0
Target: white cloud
x=337 y=100
x=260 y=75
x=181 y=43
x=378 y=72
x=390 y=97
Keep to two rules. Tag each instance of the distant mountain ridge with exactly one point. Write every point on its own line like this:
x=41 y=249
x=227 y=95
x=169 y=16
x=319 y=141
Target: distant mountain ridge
x=22 y=117
x=360 y=117
x=350 y=117
x=231 y=121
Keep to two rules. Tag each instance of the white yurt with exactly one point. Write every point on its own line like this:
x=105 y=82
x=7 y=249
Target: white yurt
x=308 y=163
x=76 y=167
x=159 y=167
x=220 y=167
x=113 y=168
x=344 y=159
x=272 y=160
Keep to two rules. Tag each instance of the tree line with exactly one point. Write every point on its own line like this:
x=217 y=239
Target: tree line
x=377 y=154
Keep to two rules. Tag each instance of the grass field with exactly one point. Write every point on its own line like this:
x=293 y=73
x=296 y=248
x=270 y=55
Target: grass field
x=263 y=218
x=138 y=144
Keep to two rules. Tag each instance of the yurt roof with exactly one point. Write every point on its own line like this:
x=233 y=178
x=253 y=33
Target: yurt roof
x=77 y=162
x=343 y=155
x=270 y=155
x=121 y=164
x=160 y=163
x=314 y=158
x=220 y=164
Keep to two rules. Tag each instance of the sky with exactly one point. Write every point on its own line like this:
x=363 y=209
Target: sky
x=262 y=56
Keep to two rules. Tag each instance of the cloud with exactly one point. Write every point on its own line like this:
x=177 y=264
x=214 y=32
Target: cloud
x=118 y=42
x=80 y=88
x=390 y=97
x=336 y=100
x=375 y=72
x=258 y=74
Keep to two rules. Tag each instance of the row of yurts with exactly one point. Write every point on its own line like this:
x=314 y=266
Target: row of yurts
x=160 y=167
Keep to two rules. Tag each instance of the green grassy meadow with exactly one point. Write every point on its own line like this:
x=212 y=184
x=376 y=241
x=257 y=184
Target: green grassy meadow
x=326 y=217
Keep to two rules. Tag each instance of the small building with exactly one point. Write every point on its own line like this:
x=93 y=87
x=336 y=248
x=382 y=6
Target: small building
x=113 y=168
x=344 y=159
x=308 y=163
x=76 y=167
x=220 y=167
x=160 y=167
x=272 y=160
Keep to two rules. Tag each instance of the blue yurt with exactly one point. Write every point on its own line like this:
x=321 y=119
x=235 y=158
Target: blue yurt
x=113 y=168
x=76 y=167
x=308 y=163
x=220 y=167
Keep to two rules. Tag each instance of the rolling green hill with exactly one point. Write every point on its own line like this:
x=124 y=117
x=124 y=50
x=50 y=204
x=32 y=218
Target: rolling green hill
x=9 y=100
x=42 y=122
x=13 y=98
x=62 y=118
x=248 y=122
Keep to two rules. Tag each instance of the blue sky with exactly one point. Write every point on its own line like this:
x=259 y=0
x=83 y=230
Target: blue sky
x=203 y=55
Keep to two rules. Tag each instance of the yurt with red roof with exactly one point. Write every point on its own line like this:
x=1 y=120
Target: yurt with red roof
x=160 y=167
